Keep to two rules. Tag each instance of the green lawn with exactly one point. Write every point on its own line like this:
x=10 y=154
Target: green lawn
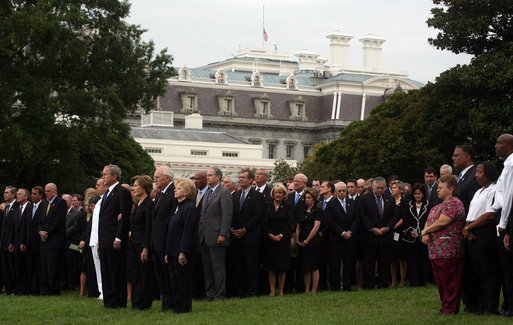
x=392 y=306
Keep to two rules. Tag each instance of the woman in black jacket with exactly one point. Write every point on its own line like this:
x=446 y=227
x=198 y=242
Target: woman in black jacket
x=182 y=245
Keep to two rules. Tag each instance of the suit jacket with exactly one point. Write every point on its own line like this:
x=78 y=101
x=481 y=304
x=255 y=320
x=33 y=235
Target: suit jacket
x=216 y=216
x=54 y=223
x=75 y=224
x=119 y=201
x=370 y=218
x=140 y=223
x=19 y=225
x=340 y=220
x=467 y=187
x=249 y=217
x=7 y=234
x=182 y=232
x=163 y=208
x=433 y=197
x=298 y=209
x=31 y=237
x=413 y=220
x=266 y=193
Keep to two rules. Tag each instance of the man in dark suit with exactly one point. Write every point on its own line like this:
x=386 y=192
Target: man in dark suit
x=343 y=222
x=377 y=219
x=163 y=207
x=75 y=224
x=296 y=199
x=198 y=282
x=214 y=229
x=31 y=241
x=261 y=178
x=463 y=160
x=7 y=239
x=52 y=230
x=23 y=210
x=113 y=237
x=244 y=250
x=431 y=186
x=326 y=191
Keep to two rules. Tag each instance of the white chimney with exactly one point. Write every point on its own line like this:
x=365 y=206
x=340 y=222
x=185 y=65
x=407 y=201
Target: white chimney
x=307 y=60
x=372 y=51
x=339 y=43
x=194 y=121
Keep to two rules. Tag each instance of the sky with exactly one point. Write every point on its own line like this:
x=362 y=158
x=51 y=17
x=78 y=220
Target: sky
x=198 y=32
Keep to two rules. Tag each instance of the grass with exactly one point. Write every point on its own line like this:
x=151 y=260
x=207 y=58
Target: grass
x=392 y=306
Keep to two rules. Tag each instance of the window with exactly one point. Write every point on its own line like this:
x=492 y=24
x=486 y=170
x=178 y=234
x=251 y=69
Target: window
x=184 y=74
x=220 y=77
x=153 y=150
x=272 y=150
x=306 y=151
x=289 y=151
x=189 y=102
x=226 y=104
x=291 y=82
x=230 y=154
x=256 y=79
x=198 y=152
x=263 y=107
x=297 y=109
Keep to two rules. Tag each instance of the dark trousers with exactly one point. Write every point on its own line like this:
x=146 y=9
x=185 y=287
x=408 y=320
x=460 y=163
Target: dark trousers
x=143 y=285
x=372 y=252
x=51 y=260
x=180 y=278
x=506 y=258
x=72 y=267
x=448 y=273
x=341 y=251
x=33 y=261
x=484 y=257
x=20 y=266
x=162 y=277
x=198 y=280
x=8 y=271
x=294 y=280
x=418 y=262
x=113 y=268
x=323 y=262
x=92 y=283
x=244 y=268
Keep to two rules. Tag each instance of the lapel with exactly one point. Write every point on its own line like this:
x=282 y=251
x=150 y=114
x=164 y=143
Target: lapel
x=248 y=197
x=111 y=194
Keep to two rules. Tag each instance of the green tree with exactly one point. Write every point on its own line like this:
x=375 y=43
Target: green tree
x=70 y=71
x=471 y=26
x=281 y=171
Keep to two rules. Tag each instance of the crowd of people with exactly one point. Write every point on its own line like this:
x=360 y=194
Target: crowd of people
x=213 y=237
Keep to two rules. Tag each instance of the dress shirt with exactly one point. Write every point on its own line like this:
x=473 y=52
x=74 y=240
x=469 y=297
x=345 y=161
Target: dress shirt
x=481 y=200
x=261 y=188
x=34 y=208
x=464 y=171
x=504 y=192
x=95 y=221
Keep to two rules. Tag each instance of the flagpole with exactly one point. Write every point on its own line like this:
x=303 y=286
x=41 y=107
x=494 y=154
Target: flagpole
x=263 y=25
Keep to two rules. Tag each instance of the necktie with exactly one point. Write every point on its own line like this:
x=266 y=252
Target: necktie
x=198 y=198
x=459 y=177
x=34 y=209
x=48 y=207
x=105 y=197
x=324 y=205
x=19 y=216
x=343 y=203
x=7 y=208
x=297 y=198
x=242 y=198
x=160 y=194
x=211 y=193
x=258 y=189
x=380 y=208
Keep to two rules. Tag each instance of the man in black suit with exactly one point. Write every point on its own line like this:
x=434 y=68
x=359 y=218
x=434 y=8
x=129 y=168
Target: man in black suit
x=32 y=241
x=214 y=230
x=463 y=160
x=431 y=186
x=7 y=239
x=377 y=219
x=75 y=225
x=198 y=282
x=343 y=222
x=326 y=191
x=261 y=178
x=23 y=210
x=113 y=237
x=244 y=251
x=52 y=230
x=163 y=207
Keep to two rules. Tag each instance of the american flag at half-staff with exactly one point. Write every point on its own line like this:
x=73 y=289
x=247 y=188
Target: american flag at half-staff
x=265 y=35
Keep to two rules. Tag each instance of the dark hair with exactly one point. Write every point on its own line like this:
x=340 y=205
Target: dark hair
x=330 y=185
x=430 y=170
x=40 y=190
x=451 y=181
x=490 y=171
x=316 y=179
x=468 y=150
x=313 y=193
x=251 y=175
x=352 y=180
x=392 y=178
x=94 y=199
x=422 y=189
x=144 y=181
x=79 y=197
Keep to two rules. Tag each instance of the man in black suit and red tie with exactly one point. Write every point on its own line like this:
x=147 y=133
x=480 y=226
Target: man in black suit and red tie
x=343 y=221
x=244 y=250
x=261 y=178
x=377 y=219
x=113 y=228
x=163 y=207
x=52 y=230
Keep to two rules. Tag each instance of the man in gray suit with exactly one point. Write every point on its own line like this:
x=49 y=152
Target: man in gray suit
x=214 y=229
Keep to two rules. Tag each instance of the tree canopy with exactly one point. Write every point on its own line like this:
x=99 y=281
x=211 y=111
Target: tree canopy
x=70 y=71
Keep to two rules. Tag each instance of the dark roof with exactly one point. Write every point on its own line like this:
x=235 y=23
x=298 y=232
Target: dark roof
x=163 y=133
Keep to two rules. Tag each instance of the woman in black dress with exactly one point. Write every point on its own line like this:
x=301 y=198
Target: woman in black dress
x=143 y=284
x=397 y=253
x=88 y=275
x=415 y=214
x=182 y=245
x=308 y=240
x=277 y=230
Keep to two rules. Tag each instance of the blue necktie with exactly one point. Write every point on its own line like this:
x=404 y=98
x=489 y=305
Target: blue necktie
x=324 y=205
x=297 y=198
x=242 y=198
x=459 y=177
x=105 y=197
